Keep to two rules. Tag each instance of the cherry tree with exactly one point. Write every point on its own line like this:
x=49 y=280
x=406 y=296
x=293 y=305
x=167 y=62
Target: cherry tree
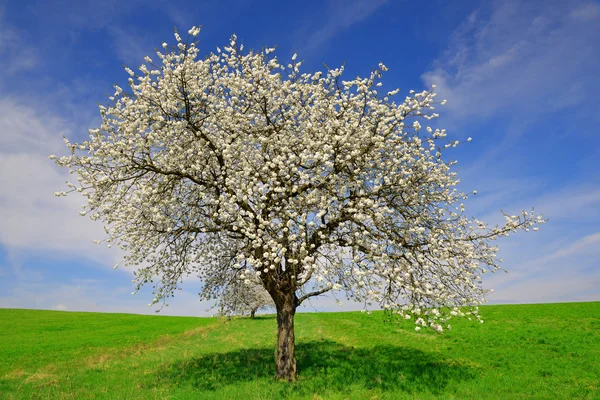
x=241 y=297
x=239 y=165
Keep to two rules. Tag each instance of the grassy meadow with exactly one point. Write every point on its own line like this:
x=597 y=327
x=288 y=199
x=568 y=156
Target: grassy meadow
x=549 y=351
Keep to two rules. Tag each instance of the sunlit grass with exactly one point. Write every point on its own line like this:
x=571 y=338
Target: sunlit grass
x=546 y=351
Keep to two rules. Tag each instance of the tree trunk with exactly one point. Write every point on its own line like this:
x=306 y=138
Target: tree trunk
x=285 y=360
x=252 y=313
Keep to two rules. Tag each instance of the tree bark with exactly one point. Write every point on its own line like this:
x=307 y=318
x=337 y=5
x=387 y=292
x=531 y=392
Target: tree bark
x=252 y=313
x=285 y=360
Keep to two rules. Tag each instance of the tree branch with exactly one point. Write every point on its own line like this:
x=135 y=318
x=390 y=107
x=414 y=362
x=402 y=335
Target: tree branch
x=312 y=294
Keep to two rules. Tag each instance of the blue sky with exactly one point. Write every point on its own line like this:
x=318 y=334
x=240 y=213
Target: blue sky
x=521 y=79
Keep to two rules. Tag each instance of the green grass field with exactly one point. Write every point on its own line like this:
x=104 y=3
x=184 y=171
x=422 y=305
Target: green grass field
x=549 y=351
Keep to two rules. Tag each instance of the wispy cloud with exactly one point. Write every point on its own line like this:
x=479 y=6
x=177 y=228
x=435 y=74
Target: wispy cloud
x=528 y=58
x=584 y=245
x=84 y=14
x=567 y=271
x=341 y=15
x=572 y=203
x=131 y=47
x=16 y=54
x=98 y=296
x=550 y=289
x=32 y=218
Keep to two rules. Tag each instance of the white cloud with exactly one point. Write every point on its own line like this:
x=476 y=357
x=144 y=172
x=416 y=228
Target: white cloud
x=16 y=54
x=585 y=12
x=340 y=16
x=563 y=271
x=589 y=244
x=32 y=218
x=572 y=203
x=83 y=14
x=557 y=288
x=98 y=296
x=528 y=58
x=27 y=130
x=131 y=47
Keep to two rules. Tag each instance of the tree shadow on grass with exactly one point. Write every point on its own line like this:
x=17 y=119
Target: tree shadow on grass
x=325 y=364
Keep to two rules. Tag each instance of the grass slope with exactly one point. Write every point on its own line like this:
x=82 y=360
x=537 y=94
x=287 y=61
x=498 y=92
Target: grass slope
x=548 y=351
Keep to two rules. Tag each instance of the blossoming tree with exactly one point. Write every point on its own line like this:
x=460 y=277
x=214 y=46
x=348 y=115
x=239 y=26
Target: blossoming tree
x=241 y=297
x=238 y=165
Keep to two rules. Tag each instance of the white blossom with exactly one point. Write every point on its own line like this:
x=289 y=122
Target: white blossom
x=242 y=296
